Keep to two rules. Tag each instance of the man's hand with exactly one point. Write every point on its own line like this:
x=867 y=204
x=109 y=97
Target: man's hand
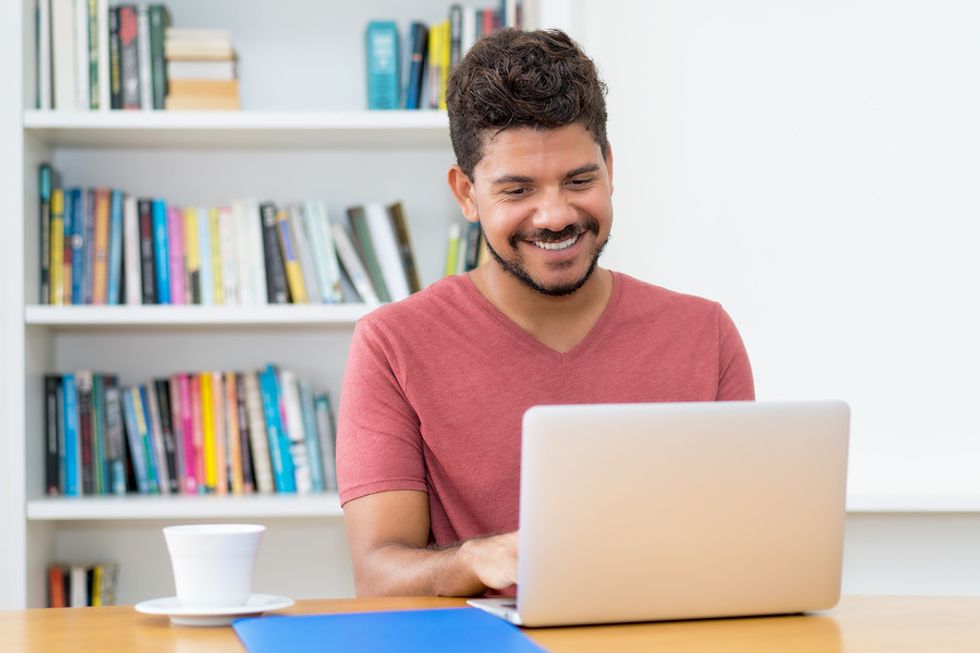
x=493 y=560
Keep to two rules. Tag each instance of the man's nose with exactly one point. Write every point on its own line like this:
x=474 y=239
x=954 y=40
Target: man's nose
x=553 y=211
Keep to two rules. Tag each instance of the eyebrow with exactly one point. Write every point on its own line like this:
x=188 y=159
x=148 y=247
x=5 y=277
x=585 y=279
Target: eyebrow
x=522 y=179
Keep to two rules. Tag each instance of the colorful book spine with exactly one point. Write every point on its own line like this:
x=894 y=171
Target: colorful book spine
x=192 y=256
x=52 y=417
x=100 y=252
x=161 y=252
x=233 y=432
x=327 y=432
x=159 y=396
x=159 y=17
x=99 y=476
x=277 y=288
x=175 y=237
x=44 y=187
x=132 y=260
x=83 y=382
x=73 y=459
x=148 y=277
x=134 y=437
x=115 y=60
x=153 y=471
x=245 y=433
x=313 y=453
x=365 y=246
x=214 y=240
x=282 y=463
x=187 y=418
x=220 y=432
x=207 y=429
x=57 y=263
x=77 y=245
x=290 y=260
x=292 y=426
x=258 y=434
x=383 y=65
x=116 y=448
x=204 y=244
x=88 y=245
x=418 y=41
x=197 y=427
x=113 y=293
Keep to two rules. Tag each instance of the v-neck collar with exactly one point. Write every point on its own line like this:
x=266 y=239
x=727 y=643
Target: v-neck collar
x=532 y=343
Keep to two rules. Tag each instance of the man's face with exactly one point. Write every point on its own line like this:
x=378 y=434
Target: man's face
x=543 y=198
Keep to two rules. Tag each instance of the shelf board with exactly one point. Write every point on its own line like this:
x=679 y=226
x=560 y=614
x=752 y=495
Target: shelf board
x=283 y=315
x=137 y=507
x=239 y=129
x=897 y=503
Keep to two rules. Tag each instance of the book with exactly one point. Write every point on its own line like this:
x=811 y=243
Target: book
x=42 y=55
x=400 y=224
x=312 y=436
x=81 y=55
x=326 y=430
x=327 y=252
x=88 y=246
x=201 y=103
x=387 y=250
x=79 y=597
x=455 y=34
x=76 y=258
x=159 y=391
x=129 y=62
x=92 y=26
x=452 y=250
x=57 y=247
x=115 y=254
x=145 y=57
x=44 y=213
x=56 y=587
x=206 y=279
x=115 y=447
x=52 y=418
x=161 y=253
x=134 y=438
x=472 y=248
x=418 y=42
x=252 y=226
x=100 y=246
x=152 y=439
x=132 y=252
x=175 y=245
x=197 y=426
x=115 y=61
x=382 y=65
x=366 y=249
x=192 y=256
x=207 y=431
x=227 y=239
x=83 y=382
x=243 y=254
x=290 y=260
x=73 y=459
x=275 y=273
x=351 y=262
x=258 y=435
x=245 y=436
x=279 y=454
x=220 y=433
x=63 y=54
x=293 y=426
x=102 y=58
x=214 y=240
x=187 y=419
x=148 y=276
x=99 y=474
x=159 y=17
x=236 y=479
x=201 y=69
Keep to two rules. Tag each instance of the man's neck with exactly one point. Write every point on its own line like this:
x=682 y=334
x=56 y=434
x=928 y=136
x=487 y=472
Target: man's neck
x=558 y=322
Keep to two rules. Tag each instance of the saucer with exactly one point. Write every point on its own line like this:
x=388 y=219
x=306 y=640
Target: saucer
x=216 y=616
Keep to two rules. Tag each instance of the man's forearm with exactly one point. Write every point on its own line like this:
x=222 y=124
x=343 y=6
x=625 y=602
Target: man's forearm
x=402 y=570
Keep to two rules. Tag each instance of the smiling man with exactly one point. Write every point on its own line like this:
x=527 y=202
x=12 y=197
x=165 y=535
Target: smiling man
x=428 y=450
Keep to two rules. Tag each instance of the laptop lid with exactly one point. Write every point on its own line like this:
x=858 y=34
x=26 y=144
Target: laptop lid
x=639 y=512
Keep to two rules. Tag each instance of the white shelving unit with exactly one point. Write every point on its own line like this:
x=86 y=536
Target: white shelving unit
x=303 y=133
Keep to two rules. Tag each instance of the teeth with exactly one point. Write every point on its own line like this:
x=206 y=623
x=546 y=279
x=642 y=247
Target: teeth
x=565 y=244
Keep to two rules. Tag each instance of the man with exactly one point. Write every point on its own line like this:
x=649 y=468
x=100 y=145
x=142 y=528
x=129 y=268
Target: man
x=428 y=449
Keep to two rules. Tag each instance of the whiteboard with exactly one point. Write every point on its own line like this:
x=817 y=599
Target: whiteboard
x=815 y=167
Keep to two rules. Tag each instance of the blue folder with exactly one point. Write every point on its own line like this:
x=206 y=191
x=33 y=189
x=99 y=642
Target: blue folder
x=406 y=631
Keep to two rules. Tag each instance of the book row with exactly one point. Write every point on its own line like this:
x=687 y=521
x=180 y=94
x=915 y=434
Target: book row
x=102 y=246
x=211 y=432
x=82 y=586
x=414 y=76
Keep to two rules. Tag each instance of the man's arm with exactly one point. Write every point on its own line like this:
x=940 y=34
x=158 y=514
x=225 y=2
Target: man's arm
x=388 y=534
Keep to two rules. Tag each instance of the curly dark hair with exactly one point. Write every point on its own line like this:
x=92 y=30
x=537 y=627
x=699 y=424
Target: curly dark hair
x=512 y=78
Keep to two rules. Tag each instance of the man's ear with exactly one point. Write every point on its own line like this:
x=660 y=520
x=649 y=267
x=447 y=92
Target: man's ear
x=609 y=165
x=462 y=187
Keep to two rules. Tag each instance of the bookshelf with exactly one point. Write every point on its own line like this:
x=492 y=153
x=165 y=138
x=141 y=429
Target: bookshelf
x=302 y=133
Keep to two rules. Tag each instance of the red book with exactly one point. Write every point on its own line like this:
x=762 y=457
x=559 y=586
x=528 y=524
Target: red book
x=197 y=430
x=190 y=479
x=175 y=244
x=56 y=587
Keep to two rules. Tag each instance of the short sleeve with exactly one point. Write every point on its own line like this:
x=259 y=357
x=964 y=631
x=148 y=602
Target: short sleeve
x=379 y=446
x=735 y=381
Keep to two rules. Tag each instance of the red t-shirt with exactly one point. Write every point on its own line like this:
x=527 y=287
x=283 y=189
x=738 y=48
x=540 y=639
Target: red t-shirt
x=436 y=386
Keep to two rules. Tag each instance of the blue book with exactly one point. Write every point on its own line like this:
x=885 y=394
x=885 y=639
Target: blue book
x=161 y=252
x=73 y=449
x=204 y=245
x=382 y=65
x=153 y=475
x=115 y=246
x=313 y=452
x=134 y=438
x=418 y=41
x=77 y=241
x=406 y=631
x=88 y=246
x=282 y=459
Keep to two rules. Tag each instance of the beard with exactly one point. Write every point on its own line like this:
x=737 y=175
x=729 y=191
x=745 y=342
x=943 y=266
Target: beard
x=518 y=270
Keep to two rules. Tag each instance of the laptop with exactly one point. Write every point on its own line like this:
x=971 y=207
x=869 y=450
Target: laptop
x=648 y=512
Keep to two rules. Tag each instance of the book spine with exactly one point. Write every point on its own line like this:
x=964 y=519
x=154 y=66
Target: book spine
x=386 y=249
x=94 y=91
x=113 y=293
x=352 y=264
x=187 y=426
x=105 y=90
x=233 y=434
x=115 y=61
x=258 y=434
x=455 y=34
x=228 y=255
x=135 y=439
x=220 y=432
x=197 y=429
x=161 y=253
x=81 y=56
x=160 y=403
x=207 y=430
x=382 y=65
x=147 y=263
x=452 y=250
x=72 y=445
x=293 y=427
x=42 y=54
x=313 y=453
x=132 y=257
x=129 y=57
x=44 y=187
x=57 y=247
x=115 y=449
x=145 y=61
x=245 y=436
x=276 y=287
x=56 y=587
x=100 y=247
x=88 y=245
x=294 y=273
x=472 y=247
x=304 y=254
x=175 y=242
x=83 y=381
x=154 y=474
x=204 y=245
x=77 y=244
x=214 y=240
x=52 y=388
x=327 y=431
x=282 y=464
x=396 y=213
x=416 y=66
x=243 y=260
x=328 y=253
x=177 y=430
x=159 y=21
x=79 y=587
x=192 y=256
x=100 y=487
x=317 y=253
x=256 y=257
x=362 y=235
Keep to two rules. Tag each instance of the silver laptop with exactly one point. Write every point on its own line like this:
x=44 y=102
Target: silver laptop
x=645 y=512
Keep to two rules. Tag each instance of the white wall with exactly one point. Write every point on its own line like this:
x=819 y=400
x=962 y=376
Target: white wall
x=813 y=166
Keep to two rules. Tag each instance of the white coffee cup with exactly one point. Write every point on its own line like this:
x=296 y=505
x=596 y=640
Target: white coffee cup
x=213 y=563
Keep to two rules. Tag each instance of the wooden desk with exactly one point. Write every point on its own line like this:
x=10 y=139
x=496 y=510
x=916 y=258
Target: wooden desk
x=860 y=624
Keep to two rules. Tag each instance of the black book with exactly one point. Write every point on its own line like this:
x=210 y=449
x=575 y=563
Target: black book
x=129 y=63
x=147 y=265
x=275 y=272
x=53 y=409
x=162 y=387
x=84 y=382
x=473 y=234
x=115 y=61
x=44 y=186
x=248 y=474
x=455 y=35
x=115 y=451
x=397 y=215
x=419 y=35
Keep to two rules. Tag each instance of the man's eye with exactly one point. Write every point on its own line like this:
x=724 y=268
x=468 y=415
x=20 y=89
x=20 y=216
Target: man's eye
x=581 y=182
x=515 y=192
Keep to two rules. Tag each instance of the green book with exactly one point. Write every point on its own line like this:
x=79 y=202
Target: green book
x=159 y=22
x=93 y=54
x=365 y=247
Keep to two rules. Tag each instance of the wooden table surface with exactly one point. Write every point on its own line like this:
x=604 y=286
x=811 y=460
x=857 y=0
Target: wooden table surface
x=860 y=624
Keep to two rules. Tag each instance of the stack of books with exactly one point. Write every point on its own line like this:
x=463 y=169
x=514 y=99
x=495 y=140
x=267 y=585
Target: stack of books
x=211 y=432
x=82 y=586
x=103 y=246
x=200 y=69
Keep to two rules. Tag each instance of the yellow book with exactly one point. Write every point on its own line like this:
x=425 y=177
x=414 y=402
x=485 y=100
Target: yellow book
x=57 y=246
x=234 y=435
x=215 y=231
x=444 y=61
x=452 y=250
x=287 y=246
x=192 y=256
x=220 y=433
x=207 y=426
x=96 y=586
x=100 y=266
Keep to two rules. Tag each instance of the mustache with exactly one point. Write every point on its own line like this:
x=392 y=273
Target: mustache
x=549 y=236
